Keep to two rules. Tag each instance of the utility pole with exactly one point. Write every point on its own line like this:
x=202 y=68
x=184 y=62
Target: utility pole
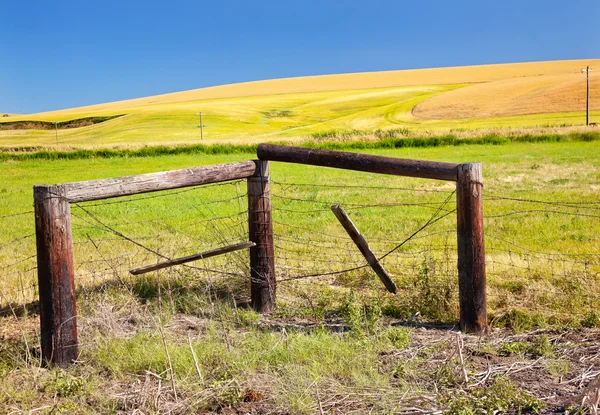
x=201 y=126
x=587 y=95
x=56 y=130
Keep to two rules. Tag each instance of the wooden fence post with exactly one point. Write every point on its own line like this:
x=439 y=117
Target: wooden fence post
x=55 y=275
x=260 y=228
x=471 y=250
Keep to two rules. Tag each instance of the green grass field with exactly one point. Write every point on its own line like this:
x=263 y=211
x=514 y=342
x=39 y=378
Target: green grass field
x=159 y=324
x=561 y=173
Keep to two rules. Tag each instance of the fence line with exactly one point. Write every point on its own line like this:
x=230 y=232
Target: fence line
x=309 y=244
x=582 y=259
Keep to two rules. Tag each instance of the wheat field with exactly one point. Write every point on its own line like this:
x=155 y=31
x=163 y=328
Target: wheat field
x=471 y=97
x=515 y=96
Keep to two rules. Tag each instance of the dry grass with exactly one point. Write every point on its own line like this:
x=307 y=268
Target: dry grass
x=509 y=97
x=273 y=366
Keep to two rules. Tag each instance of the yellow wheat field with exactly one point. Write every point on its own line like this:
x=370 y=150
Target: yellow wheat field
x=515 y=96
x=363 y=80
x=520 y=95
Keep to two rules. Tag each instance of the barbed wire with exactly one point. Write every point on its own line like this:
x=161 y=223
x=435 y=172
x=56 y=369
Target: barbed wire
x=545 y=211
x=553 y=254
x=433 y=205
x=434 y=218
x=309 y=242
x=12 y=215
x=215 y=229
x=543 y=202
x=21 y=238
x=344 y=187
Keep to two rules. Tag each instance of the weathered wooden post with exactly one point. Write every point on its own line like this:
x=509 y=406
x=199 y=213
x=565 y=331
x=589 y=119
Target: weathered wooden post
x=260 y=228
x=468 y=178
x=55 y=246
x=55 y=275
x=471 y=250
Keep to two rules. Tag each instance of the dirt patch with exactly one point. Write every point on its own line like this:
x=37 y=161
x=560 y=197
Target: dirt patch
x=61 y=125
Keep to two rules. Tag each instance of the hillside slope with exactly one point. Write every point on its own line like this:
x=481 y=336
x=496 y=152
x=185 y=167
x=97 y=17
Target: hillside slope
x=515 y=96
x=361 y=80
x=486 y=96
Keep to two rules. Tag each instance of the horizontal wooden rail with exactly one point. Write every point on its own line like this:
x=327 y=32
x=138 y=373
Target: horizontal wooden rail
x=190 y=258
x=361 y=162
x=152 y=182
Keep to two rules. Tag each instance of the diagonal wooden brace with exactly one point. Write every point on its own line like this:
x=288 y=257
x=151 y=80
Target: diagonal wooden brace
x=363 y=246
x=190 y=258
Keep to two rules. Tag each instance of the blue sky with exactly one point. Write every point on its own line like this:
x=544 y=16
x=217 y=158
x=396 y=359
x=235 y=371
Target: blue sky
x=60 y=54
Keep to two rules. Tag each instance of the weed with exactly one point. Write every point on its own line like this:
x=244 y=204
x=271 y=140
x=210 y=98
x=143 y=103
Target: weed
x=399 y=337
x=541 y=347
x=226 y=396
x=520 y=320
x=145 y=288
x=391 y=133
x=591 y=320
x=372 y=315
x=435 y=296
x=395 y=310
x=515 y=287
x=361 y=314
x=338 y=134
x=352 y=311
x=64 y=384
x=557 y=367
x=248 y=317
x=445 y=375
x=513 y=348
x=501 y=396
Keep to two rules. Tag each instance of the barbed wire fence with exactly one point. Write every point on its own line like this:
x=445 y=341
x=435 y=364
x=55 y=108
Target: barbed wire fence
x=18 y=264
x=407 y=229
x=422 y=255
x=114 y=237
x=560 y=277
x=411 y=230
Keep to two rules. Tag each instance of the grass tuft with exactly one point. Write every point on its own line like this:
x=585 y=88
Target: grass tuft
x=501 y=396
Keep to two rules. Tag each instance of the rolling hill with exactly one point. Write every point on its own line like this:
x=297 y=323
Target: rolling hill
x=438 y=99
